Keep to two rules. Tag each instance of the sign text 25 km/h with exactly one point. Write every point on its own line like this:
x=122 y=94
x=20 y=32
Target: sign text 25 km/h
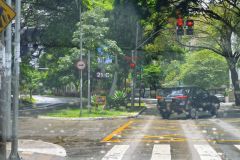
x=6 y=15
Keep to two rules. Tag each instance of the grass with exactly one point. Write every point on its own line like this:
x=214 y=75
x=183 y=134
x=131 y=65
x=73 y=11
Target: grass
x=26 y=101
x=74 y=113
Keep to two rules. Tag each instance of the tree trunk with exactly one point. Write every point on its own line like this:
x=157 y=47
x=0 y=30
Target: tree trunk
x=234 y=77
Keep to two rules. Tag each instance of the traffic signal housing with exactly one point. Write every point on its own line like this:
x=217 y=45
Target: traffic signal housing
x=180 y=25
x=189 y=27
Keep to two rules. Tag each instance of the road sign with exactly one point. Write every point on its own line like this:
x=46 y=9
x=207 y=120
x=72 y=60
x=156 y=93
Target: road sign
x=81 y=65
x=101 y=100
x=103 y=75
x=6 y=15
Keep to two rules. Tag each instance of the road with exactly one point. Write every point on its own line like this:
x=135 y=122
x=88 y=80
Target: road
x=147 y=137
x=45 y=104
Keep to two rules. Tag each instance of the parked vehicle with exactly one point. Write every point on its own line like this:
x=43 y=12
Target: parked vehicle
x=220 y=97
x=187 y=99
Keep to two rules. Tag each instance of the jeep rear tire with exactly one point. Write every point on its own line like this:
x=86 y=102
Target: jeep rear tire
x=193 y=113
x=166 y=115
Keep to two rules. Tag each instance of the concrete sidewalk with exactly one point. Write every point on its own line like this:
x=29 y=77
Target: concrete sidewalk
x=229 y=110
x=39 y=150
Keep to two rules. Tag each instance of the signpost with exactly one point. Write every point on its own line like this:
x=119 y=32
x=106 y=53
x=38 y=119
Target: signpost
x=6 y=16
x=81 y=65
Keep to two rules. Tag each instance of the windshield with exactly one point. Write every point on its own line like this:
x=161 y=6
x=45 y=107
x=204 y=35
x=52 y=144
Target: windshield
x=120 y=79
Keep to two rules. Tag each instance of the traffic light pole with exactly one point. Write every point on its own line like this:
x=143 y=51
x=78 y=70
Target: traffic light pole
x=89 y=81
x=80 y=45
x=16 y=71
x=132 y=83
x=136 y=54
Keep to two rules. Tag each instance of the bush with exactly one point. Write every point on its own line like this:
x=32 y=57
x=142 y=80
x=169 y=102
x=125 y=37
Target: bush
x=118 y=99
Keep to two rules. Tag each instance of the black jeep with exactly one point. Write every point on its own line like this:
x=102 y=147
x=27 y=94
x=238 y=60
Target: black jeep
x=187 y=99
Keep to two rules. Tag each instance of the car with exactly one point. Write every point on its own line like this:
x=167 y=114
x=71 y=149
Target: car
x=187 y=99
x=220 y=97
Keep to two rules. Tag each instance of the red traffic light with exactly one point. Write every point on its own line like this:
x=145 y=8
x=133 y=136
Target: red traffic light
x=189 y=23
x=180 y=22
x=132 y=65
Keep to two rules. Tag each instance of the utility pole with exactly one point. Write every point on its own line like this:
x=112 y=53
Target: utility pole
x=3 y=101
x=89 y=81
x=136 y=55
x=16 y=70
x=81 y=79
x=134 y=60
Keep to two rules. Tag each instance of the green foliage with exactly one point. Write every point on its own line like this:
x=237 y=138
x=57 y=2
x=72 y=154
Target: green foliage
x=94 y=100
x=171 y=73
x=30 y=79
x=205 y=69
x=118 y=99
x=152 y=75
x=27 y=100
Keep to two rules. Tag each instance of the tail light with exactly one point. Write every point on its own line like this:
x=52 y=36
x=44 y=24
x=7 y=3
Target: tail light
x=181 y=97
x=159 y=97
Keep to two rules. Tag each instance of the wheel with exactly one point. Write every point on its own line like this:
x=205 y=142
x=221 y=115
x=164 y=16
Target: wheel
x=214 y=109
x=165 y=115
x=193 y=113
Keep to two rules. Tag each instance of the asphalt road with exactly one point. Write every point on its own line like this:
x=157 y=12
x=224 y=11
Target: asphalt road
x=147 y=137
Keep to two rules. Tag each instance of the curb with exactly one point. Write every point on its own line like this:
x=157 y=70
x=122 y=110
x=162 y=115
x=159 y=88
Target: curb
x=93 y=118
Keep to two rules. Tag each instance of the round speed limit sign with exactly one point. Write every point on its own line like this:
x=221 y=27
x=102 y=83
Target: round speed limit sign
x=81 y=65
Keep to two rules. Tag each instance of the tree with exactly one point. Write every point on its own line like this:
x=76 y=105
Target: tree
x=46 y=29
x=152 y=75
x=94 y=30
x=204 y=68
x=30 y=79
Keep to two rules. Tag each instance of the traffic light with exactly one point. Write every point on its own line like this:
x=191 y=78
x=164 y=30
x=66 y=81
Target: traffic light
x=180 y=24
x=189 y=27
x=132 y=65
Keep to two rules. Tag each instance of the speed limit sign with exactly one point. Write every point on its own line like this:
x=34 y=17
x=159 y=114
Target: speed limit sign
x=81 y=65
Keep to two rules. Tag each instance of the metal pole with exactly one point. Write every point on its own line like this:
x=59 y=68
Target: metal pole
x=81 y=80
x=16 y=70
x=136 y=54
x=8 y=75
x=3 y=101
x=132 y=83
x=89 y=82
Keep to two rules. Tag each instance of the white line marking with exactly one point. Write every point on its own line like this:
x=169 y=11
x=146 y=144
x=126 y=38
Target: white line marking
x=206 y=152
x=116 y=153
x=237 y=146
x=161 y=152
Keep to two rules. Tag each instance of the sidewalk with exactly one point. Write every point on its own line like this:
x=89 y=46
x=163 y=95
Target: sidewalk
x=229 y=110
x=229 y=106
x=39 y=150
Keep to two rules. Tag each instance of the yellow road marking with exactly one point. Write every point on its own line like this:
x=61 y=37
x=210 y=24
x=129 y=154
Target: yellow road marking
x=172 y=140
x=156 y=128
x=172 y=123
x=164 y=136
x=233 y=120
x=120 y=129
